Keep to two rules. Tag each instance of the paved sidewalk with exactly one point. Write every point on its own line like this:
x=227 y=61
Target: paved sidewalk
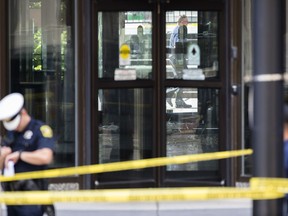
x=228 y=207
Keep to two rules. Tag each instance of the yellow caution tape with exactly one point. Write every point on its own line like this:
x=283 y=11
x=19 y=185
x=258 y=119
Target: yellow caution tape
x=270 y=184
x=126 y=165
x=260 y=188
x=135 y=195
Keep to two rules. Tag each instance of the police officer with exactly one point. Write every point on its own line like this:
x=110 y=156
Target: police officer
x=29 y=144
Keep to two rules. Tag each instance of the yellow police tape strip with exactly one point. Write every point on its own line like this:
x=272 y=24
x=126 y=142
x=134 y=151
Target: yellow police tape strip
x=126 y=165
x=136 y=195
x=260 y=188
x=270 y=184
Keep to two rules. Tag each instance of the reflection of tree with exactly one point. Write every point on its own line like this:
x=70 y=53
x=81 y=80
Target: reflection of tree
x=38 y=36
x=37 y=50
x=42 y=64
x=35 y=4
x=37 y=62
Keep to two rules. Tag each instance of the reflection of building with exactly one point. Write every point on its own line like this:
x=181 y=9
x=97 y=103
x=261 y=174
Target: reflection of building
x=63 y=57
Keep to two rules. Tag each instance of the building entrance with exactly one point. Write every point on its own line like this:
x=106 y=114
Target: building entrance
x=158 y=89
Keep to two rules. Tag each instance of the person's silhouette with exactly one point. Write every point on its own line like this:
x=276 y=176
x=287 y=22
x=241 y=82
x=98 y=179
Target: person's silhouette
x=178 y=62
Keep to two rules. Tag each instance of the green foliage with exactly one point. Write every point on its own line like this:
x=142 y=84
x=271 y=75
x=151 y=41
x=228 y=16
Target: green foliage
x=35 y=5
x=37 y=51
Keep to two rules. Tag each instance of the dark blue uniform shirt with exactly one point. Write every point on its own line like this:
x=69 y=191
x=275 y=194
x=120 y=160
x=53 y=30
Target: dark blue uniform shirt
x=35 y=136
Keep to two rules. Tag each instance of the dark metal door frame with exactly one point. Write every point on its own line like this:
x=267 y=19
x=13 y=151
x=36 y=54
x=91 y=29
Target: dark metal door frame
x=158 y=47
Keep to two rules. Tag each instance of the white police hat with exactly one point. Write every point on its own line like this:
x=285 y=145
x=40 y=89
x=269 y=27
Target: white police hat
x=10 y=107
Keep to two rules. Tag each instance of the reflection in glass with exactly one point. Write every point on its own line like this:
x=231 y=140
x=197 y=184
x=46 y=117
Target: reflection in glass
x=125 y=43
x=193 y=128
x=246 y=169
x=125 y=130
x=41 y=58
x=192 y=45
x=246 y=161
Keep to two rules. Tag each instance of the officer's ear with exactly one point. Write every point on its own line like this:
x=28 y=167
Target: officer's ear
x=23 y=111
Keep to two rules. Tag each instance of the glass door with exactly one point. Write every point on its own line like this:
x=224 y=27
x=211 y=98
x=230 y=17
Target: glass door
x=157 y=90
x=194 y=87
x=125 y=90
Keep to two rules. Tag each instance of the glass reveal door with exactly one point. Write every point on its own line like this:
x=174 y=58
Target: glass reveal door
x=125 y=54
x=124 y=90
x=157 y=90
x=192 y=113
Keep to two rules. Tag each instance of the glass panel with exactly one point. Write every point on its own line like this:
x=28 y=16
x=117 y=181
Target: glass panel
x=246 y=161
x=125 y=130
x=42 y=66
x=192 y=45
x=125 y=45
x=193 y=128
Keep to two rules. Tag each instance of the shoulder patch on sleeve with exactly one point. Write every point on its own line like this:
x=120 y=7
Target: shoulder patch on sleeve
x=46 y=131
